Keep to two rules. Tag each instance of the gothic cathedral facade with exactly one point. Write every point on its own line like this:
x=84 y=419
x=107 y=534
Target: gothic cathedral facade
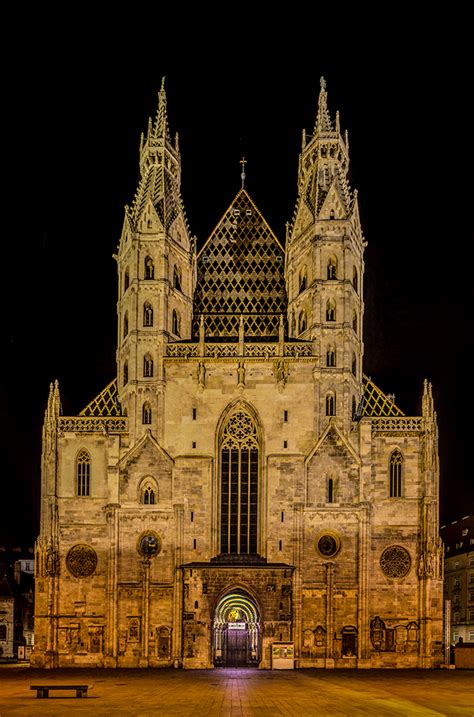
x=241 y=493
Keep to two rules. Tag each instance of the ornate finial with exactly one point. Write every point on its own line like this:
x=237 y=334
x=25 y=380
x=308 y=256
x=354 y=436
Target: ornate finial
x=163 y=82
x=322 y=83
x=243 y=162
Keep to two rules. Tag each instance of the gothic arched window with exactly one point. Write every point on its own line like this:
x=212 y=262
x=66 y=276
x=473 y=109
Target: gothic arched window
x=330 y=310
x=149 y=268
x=395 y=474
x=330 y=495
x=177 y=278
x=330 y=404
x=125 y=325
x=354 y=365
x=303 y=279
x=126 y=280
x=239 y=458
x=147 y=366
x=330 y=356
x=355 y=279
x=146 y=413
x=175 y=323
x=125 y=373
x=147 y=314
x=332 y=267
x=354 y=408
x=302 y=323
x=83 y=473
x=148 y=496
x=354 y=320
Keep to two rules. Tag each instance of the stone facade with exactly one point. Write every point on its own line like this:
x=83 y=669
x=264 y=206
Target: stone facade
x=241 y=483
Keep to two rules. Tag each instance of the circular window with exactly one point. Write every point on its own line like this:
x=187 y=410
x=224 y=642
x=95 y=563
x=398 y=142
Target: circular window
x=329 y=544
x=149 y=544
x=395 y=562
x=81 y=561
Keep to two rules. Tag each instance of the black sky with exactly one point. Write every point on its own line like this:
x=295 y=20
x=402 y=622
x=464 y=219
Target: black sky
x=74 y=116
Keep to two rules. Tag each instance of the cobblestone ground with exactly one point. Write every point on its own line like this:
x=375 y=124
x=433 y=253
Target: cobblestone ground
x=148 y=693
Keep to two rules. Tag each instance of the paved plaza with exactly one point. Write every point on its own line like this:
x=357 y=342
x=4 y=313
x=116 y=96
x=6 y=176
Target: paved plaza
x=147 y=693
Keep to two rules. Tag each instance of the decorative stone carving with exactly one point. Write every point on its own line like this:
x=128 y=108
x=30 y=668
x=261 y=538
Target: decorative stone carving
x=395 y=562
x=81 y=561
x=328 y=544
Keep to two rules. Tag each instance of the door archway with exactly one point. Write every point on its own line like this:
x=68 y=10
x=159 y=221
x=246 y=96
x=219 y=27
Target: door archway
x=236 y=634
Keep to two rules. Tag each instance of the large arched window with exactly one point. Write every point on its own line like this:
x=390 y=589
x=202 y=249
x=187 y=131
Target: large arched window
x=149 y=268
x=332 y=267
x=177 y=278
x=330 y=404
x=303 y=279
x=395 y=474
x=176 y=329
x=146 y=413
x=147 y=366
x=147 y=314
x=125 y=325
x=354 y=365
x=83 y=473
x=239 y=456
x=330 y=310
x=302 y=322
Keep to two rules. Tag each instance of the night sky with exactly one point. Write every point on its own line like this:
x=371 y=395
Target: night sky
x=74 y=118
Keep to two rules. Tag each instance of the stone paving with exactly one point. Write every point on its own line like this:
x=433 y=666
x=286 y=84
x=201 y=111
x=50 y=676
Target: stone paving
x=246 y=692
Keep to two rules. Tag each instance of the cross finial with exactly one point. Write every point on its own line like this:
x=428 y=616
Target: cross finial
x=322 y=83
x=243 y=162
x=163 y=82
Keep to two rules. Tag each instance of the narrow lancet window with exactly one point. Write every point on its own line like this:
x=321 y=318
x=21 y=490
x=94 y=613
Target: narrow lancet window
x=125 y=325
x=330 y=310
x=332 y=268
x=147 y=366
x=303 y=279
x=146 y=413
x=149 y=268
x=177 y=278
x=395 y=474
x=330 y=357
x=147 y=314
x=302 y=323
x=83 y=473
x=330 y=404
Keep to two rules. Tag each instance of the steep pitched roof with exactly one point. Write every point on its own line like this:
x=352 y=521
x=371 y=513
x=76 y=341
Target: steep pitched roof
x=240 y=273
x=375 y=403
x=105 y=404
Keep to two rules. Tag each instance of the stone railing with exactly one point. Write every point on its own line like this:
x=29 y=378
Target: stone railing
x=93 y=424
x=397 y=424
x=250 y=350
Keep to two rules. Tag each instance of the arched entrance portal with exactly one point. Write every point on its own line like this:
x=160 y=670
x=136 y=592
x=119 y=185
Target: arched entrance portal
x=236 y=631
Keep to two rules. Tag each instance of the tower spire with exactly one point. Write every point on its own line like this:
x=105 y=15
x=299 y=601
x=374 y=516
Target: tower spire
x=161 y=129
x=323 y=118
x=243 y=162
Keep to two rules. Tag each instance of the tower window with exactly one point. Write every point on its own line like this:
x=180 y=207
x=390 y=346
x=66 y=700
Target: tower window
x=125 y=325
x=149 y=268
x=83 y=473
x=126 y=279
x=330 y=490
x=285 y=416
x=330 y=356
x=148 y=495
x=354 y=365
x=303 y=279
x=177 y=278
x=332 y=268
x=354 y=408
x=147 y=366
x=355 y=279
x=332 y=214
x=175 y=323
x=354 y=320
x=302 y=323
x=395 y=474
x=146 y=413
x=125 y=373
x=147 y=314
x=330 y=404
x=330 y=310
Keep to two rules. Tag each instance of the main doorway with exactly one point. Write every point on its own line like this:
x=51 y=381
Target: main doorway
x=236 y=631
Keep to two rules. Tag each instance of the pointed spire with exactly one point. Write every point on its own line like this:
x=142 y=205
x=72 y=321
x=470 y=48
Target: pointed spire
x=323 y=118
x=161 y=129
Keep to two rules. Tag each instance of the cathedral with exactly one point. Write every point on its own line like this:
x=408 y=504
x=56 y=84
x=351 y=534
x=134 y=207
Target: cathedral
x=241 y=493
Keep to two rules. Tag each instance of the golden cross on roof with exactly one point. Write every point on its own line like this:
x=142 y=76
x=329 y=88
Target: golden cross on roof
x=243 y=162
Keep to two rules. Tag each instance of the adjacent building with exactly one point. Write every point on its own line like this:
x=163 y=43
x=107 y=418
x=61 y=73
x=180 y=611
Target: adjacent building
x=240 y=492
x=458 y=539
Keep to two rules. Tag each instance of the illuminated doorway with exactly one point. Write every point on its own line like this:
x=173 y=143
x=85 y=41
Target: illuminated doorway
x=236 y=631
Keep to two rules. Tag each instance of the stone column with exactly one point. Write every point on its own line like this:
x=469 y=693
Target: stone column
x=178 y=586
x=363 y=583
x=110 y=647
x=329 y=613
x=297 y=578
x=145 y=610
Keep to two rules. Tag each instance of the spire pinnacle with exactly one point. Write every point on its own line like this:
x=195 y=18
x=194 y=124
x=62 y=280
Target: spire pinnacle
x=243 y=162
x=163 y=83
x=161 y=129
x=323 y=119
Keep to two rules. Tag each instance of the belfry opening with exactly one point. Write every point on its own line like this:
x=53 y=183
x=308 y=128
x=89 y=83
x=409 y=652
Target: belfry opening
x=236 y=640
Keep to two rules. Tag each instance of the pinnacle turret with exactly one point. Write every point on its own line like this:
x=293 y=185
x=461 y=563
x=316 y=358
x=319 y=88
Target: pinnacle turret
x=323 y=118
x=160 y=130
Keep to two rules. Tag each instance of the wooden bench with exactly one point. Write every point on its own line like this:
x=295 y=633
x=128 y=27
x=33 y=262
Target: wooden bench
x=43 y=690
